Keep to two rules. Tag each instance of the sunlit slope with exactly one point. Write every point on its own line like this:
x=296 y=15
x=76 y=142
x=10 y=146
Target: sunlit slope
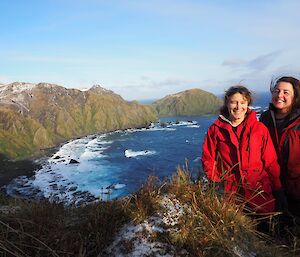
x=33 y=117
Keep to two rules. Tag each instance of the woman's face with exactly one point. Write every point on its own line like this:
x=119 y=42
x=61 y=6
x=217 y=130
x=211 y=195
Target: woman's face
x=237 y=107
x=283 y=96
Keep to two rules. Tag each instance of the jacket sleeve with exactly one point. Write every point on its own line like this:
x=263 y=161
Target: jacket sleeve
x=269 y=157
x=209 y=163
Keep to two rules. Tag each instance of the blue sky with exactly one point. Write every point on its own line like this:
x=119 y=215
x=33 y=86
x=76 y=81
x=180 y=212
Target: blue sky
x=148 y=49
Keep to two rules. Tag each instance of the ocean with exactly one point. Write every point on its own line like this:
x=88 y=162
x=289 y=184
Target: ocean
x=117 y=164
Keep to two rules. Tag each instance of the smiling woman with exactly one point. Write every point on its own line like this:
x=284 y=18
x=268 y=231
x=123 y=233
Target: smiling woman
x=283 y=122
x=237 y=100
x=238 y=153
x=283 y=98
x=237 y=108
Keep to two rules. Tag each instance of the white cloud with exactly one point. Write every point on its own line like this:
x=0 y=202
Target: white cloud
x=263 y=61
x=177 y=44
x=258 y=63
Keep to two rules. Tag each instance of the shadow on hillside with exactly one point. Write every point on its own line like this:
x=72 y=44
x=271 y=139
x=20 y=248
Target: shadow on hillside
x=10 y=169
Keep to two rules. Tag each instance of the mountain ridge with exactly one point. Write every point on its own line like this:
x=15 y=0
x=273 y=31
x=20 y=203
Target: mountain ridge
x=43 y=115
x=37 y=116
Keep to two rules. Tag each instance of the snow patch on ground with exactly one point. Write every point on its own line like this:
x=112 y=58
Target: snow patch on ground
x=137 y=240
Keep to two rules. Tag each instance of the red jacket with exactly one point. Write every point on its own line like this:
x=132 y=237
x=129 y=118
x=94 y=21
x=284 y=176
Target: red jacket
x=287 y=144
x=244 y=159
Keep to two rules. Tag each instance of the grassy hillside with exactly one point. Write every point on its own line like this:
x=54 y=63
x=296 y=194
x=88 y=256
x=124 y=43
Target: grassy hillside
x=46 y=115
x=175 y=218
x=189 y=102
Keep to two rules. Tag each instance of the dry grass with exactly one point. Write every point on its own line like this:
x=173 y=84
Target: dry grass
x=209 y=225
x=49 y=229
x=145 y=202
x=212 y=225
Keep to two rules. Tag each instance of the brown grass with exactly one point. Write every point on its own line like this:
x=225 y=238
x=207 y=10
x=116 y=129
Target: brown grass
x=210 y=226
x=49 y=229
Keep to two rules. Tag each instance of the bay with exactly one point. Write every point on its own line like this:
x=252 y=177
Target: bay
x=113 y=165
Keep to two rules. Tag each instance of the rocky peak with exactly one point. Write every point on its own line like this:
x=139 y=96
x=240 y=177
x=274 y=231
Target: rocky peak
x=19 y=95
x=16 y=88
x=101 y=90
x=48 y=85
x=15 y=93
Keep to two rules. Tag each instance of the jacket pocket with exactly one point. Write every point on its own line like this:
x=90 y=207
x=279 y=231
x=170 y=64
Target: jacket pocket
x=260 y=197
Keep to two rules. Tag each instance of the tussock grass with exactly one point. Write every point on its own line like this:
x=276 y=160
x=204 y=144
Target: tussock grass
x=206 y=224
x=50 y=229
x=211 y=224
x=146 y=201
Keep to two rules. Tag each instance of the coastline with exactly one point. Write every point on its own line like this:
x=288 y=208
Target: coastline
x=11 y=169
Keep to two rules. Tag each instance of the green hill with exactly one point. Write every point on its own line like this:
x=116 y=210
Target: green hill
x=189 y=102
x=34 y=117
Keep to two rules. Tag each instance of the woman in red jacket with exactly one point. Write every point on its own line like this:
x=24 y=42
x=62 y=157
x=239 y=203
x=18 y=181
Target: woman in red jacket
x=283 y=121
x=238 y=151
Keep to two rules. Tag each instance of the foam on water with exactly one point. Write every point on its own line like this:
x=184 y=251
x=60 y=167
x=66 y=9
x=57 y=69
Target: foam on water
x=184 y=123
x=255 y=107
x=61 y=180
x=104 y=166
x=130 y=153
x=150 y=129
x=115 y=164
x=91 y=155
x=69 y=182
x=193 y=126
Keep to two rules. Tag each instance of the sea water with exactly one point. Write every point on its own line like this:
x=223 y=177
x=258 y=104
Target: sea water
x=116 y=164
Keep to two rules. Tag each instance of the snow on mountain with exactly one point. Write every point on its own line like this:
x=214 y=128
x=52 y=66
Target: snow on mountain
x=16 y=87
x=100 y=89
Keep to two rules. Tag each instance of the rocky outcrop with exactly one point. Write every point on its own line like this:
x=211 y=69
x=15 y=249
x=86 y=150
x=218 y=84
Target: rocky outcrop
x=186 y=103
x=38 y=116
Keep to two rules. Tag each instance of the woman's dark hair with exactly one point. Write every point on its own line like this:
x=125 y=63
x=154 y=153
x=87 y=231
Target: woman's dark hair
x=230 y=92
x=296 y=87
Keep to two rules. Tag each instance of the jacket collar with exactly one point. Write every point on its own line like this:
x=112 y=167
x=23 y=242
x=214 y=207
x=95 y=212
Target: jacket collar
x=226 y=123
x=294 y=115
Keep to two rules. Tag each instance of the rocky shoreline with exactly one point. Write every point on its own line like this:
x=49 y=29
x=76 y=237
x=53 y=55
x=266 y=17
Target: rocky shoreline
x=14 y=174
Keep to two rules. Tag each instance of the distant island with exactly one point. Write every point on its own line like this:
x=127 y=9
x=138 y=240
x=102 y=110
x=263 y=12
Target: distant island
x=34 y=117
x=188 y=103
